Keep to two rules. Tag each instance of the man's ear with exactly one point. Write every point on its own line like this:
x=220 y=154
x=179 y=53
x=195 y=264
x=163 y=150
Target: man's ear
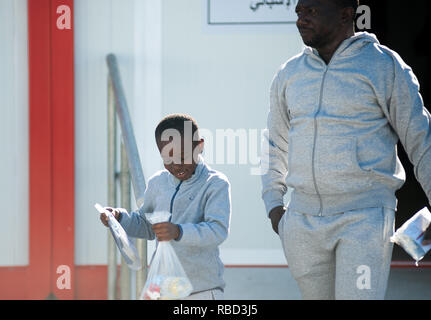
x=201 y=145
x=348 y=15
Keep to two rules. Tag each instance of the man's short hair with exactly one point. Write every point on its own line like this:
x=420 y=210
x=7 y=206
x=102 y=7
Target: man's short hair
x=177 y=122
x=348 y=3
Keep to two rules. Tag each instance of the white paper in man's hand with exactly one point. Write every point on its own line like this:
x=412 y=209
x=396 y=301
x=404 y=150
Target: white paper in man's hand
x=412 y=233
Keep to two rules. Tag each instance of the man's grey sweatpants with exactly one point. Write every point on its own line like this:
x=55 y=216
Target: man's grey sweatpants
x=343 y=256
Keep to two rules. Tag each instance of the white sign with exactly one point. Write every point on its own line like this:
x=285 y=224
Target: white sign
x=251 y=12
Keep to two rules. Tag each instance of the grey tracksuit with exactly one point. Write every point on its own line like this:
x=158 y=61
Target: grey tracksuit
x=332 y=136
x=201 y=206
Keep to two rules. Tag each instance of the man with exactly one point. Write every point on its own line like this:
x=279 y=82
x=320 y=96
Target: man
x=337 y=111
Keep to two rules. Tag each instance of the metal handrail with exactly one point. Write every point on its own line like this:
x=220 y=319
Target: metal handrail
x=136 y=172
x=117 y=108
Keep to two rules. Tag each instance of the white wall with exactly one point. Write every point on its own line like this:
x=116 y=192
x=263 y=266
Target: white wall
x=170 y=62
x=14 y=133
x=123 y=28
x=223 y=79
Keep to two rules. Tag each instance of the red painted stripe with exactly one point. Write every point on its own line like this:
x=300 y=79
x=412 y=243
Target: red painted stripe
x=63 y=161
x=13 y=283
x=394 y=264
x=40 y=184
x=256 y=266
x=51 y=109
x=91 y=280
x=411 y=264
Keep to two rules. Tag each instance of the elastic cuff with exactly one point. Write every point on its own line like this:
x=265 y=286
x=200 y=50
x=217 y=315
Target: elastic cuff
x=188 y=234
x=272 y=199
x=181 y=233
x=123 y=215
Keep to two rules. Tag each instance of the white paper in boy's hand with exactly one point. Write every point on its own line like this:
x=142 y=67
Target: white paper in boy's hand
x=158 y=216
x=126 y=247
x=412 y=233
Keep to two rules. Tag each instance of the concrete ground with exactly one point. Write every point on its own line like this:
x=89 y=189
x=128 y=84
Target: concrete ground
x=278 y=284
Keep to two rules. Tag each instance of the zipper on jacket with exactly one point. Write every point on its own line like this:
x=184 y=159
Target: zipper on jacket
x=173 y=198
x=171 y=207
x=314 y=143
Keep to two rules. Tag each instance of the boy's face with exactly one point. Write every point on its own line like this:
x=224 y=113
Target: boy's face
x=180 y=158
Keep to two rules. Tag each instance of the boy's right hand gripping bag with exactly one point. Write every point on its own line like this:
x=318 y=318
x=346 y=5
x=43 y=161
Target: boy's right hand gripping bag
x=166 y=279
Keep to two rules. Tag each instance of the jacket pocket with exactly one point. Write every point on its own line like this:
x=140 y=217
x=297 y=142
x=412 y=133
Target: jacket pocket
x=337 y=167
x=388 y=224
x=299 y=163
x=281 y=223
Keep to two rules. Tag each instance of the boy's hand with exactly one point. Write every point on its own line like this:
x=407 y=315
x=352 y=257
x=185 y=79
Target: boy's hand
x=166 y=231
x=275 y=215
x=104 y=218
x=427 y=239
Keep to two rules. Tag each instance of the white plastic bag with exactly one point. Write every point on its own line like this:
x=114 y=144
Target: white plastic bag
x=124 y=244
x=166 y=279
x=411 y=235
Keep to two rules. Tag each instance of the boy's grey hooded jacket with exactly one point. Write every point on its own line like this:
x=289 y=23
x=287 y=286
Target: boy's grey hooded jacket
x=201 y=206
x=333 y=130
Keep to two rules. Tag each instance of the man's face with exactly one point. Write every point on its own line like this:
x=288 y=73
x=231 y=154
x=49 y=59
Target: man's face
x=318 y=22
x=180 y=157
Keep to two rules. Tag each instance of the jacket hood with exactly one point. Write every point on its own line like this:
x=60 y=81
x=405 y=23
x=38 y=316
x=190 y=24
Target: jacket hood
x=349 y=46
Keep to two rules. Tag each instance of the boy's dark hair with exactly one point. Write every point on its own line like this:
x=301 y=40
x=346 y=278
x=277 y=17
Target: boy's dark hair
x=176 y=121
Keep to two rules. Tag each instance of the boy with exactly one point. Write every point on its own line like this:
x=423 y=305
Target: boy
x=199 y=200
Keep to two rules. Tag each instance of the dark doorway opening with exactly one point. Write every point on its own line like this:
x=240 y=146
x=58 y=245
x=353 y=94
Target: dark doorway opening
x=403 y=27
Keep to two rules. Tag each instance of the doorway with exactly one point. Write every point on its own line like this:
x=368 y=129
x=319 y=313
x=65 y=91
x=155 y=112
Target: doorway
x=403 y=28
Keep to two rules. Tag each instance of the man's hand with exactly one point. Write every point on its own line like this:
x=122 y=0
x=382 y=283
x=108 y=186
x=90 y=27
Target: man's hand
x=166 y=231
x=105 y=219
x=427 y=238
x=275 y=215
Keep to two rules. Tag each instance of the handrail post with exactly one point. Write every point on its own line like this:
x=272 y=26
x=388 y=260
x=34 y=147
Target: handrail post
x=112 y=190
x=125 y=203
x=118 y=101
x=129 y=140
x=141 y=275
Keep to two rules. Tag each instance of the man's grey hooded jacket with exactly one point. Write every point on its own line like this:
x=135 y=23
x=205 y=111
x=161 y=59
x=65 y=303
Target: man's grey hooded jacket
x=333 y=130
